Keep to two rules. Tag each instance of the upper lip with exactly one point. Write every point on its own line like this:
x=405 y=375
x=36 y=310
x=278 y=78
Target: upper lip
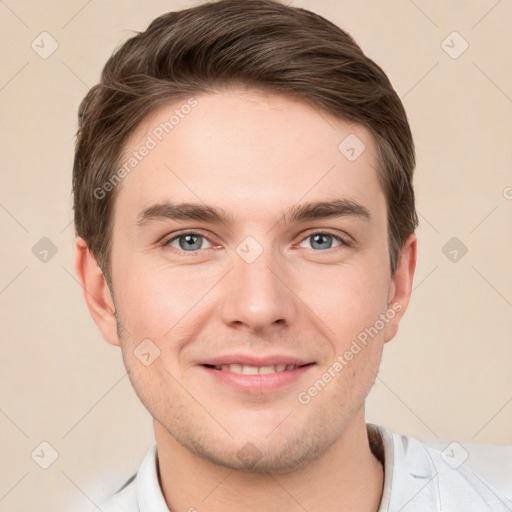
x=258 y=361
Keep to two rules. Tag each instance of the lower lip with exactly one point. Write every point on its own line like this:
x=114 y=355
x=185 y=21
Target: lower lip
x=260 y=383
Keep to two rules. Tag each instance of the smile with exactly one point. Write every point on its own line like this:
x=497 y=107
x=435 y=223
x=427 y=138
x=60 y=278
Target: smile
x=254 y=370
x=250 y=374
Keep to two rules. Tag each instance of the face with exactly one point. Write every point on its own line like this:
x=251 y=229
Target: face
x=252 y=320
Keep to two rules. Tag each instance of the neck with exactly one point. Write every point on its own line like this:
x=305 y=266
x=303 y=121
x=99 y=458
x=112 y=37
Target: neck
x=347 y=478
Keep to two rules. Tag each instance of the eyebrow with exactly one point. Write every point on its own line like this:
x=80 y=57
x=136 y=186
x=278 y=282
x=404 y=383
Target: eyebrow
x=295 y=214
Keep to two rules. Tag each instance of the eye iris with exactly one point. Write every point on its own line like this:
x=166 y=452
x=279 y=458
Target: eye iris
x=191 y=242
x=321 y=241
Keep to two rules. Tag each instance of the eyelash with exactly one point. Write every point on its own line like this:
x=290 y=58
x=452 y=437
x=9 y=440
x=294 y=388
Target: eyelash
x=344 y=241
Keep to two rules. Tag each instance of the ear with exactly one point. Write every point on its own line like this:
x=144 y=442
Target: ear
x=96 y=292
x=401 y=286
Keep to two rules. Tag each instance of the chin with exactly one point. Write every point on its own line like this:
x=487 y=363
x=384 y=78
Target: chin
x=277 y=449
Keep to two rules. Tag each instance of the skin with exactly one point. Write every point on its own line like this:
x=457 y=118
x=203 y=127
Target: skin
x=253 y=155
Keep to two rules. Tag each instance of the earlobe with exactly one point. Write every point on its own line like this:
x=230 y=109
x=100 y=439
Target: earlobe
x=96 y=292
x=401 y=285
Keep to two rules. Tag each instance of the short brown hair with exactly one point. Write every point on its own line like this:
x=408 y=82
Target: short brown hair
x=260 y=44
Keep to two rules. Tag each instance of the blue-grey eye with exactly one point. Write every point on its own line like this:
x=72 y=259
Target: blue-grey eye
x=188 y=242
x=321 y=241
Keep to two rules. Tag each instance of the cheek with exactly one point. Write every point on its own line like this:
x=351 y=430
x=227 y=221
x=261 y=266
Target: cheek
x=347 y=299
x=157 y=299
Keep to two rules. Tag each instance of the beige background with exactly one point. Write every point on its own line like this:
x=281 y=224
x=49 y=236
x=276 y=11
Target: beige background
x=446 y=376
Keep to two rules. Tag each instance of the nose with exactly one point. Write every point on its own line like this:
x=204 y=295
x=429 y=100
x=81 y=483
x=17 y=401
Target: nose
x=257 y=296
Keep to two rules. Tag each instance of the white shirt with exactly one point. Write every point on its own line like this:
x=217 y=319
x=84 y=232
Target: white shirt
x=417 y=478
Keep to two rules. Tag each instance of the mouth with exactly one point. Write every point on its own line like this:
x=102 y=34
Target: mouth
x=250 y=374
x=245 y=369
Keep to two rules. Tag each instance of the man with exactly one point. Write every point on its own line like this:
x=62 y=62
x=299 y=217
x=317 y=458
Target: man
x=245 y=226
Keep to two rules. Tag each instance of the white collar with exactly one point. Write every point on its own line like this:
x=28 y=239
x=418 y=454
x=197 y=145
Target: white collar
x=417 y=478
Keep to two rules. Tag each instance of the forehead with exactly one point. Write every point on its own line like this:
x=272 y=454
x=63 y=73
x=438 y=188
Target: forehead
x=249 y=151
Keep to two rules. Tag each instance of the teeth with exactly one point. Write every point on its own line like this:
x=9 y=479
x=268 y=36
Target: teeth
x=254 y=370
